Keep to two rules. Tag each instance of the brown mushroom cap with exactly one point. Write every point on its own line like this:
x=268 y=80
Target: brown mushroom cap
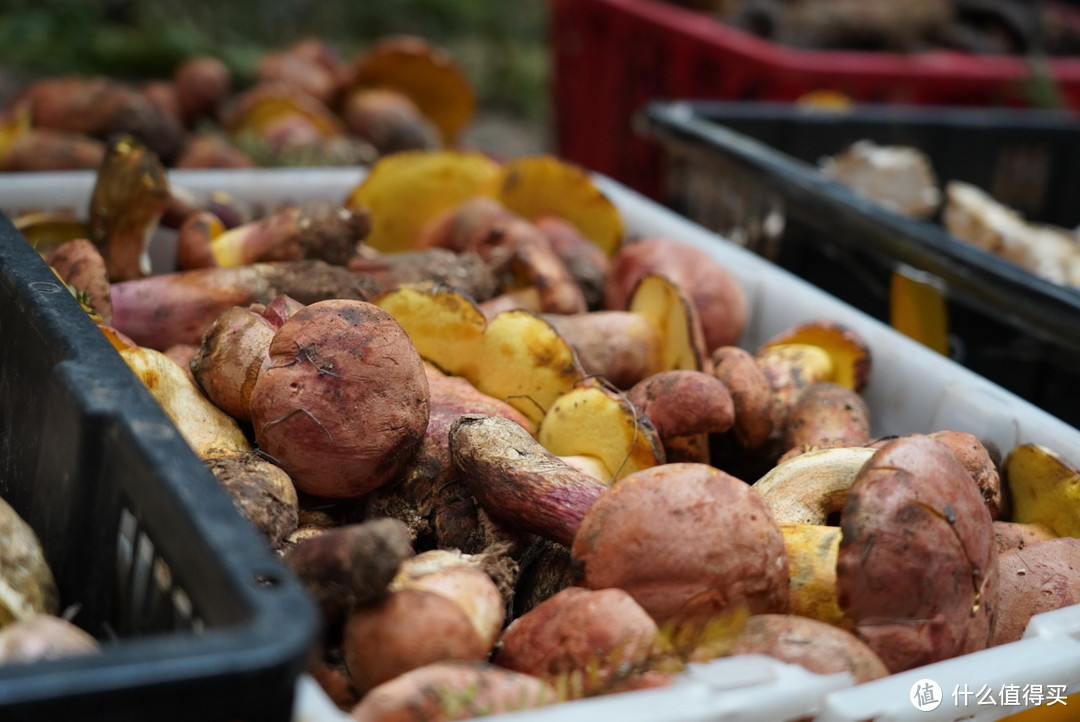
x=687 y=541
x=1039 y=577
x=751 y=394
x=917 y=569
x=680 y=402
x=818 y=647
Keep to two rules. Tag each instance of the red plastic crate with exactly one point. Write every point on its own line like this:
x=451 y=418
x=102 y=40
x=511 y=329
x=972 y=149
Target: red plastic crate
x=610 y=57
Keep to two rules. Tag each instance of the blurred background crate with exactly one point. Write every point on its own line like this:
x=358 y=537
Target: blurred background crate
x=749 y=171
x=611 y=57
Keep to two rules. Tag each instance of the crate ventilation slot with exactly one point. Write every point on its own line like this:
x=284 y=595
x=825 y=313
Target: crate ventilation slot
x=149 y=599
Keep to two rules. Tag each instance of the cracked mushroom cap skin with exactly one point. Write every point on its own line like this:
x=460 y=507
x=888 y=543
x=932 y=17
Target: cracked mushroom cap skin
x=342 y=401
x=1040 y=577
x=917 y=569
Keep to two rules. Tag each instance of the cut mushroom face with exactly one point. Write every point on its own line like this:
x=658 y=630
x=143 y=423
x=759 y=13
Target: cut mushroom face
x=535 y=187
x=425 y=74
x=716 y=294
x=599 y=429
x=659 y=331
x=1045 y=489
x=407 y=192
x=849 y=354
x=674 y=314
x=516 y=357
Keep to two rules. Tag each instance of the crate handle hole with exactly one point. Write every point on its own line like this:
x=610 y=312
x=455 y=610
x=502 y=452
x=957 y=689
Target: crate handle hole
x=266 y=580
x=46 y=287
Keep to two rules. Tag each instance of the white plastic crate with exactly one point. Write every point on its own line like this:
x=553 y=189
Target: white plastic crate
x=912 y=389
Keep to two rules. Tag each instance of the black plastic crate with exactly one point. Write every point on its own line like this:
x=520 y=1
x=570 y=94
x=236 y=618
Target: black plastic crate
x=749 y=171
x=197 y=617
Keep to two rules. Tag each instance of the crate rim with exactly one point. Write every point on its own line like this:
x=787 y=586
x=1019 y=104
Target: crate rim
x=1052 y=310
x=278 y=622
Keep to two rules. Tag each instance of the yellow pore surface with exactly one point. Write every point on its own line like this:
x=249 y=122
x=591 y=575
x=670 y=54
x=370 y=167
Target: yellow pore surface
x=516 y=357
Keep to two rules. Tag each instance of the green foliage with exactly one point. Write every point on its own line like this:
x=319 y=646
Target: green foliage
x=69 y=36
x=83 y=299
x=500 y=45
x=1041 y=89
